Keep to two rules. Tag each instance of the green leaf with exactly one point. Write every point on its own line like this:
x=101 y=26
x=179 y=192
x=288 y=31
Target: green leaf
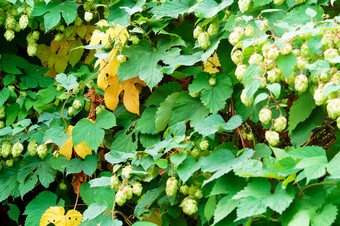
x=330 y=89
x=261 y=2
x=251 y=72
x=9 y=184
x=300 y=110
x=100 y=182
x=144 y=223
x=177 y=159
x=262 y=150
x=88 y=165
x=183 y=60
x=118 y=15
x=325 y=217
x=37 y=207
x=11 y=63
x=286 y=63
x=275 y=88
x=314 y=45
x=147 y=200
x=4 y=95
x=105 y=119
x=188 y=108
x=210 y=207
x=313 y=167
x=214 y=97
x=162 y=92
x=136 y=8
x=144 y=124
x=200 y=82
x=187 y=168
x=210 y=8
x=68 y=82
x=319 y=66
x=224 y=207
x=173 y=8
x=13 y=212
x=143 y=62
x=87 y=131
x=114 y=157
x=252 y=88
x=164 y=111
x=93 y=211
x=124 y=142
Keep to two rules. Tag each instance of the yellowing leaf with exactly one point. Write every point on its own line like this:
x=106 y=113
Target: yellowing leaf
x=111 y=95
x=81 y=149
x=211 y=65
x=55 y=215
x=131 y=95
x=75 y=55
x=61 y=64
x=111 y=69
x=81 y=31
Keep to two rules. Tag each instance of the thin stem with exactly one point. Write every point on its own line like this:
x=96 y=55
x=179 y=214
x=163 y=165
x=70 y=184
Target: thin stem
x=311 y=185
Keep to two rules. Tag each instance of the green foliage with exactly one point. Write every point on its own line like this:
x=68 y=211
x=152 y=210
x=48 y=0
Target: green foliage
x=147 y=112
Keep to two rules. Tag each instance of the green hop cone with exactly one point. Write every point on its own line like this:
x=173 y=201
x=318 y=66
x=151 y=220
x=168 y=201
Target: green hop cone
x=9 y=162
x=58 y=37
x=212 y=81
x=2 y=124
x=273 y=138
x=128 y=191
x=197 y=31
x=120 y=198
x=42 y=150
x=333 y=108
x=137 y=188
x=256 y=59
x=300 y=1
x=195 y=152
x=17 y=149
x=126 y=171
x=35 y=35
x=198 y=194
x=88 y=16
x=278 y=2
x=76 y=104
x=301 y=63
x=249 y=31
x=171 y=187
x=6 y=149
x=331 y=53
x=240 y=71
x=287 y=49
x=121 y=58
x=70 y=111
x=237 y=57
x=189 y=206
x=213 y=29
x=78 y=21
x=100 y=108
x=338 y=122
x=280 y=124
x=319 y=97
x=274 y=75
x=9 y=35
x=32 y=49
x=2 y=112
x=250 y=136
x=243 y=5
x=63 y=186
x=204 y=40
x=301 y=83
x=245 y=100
x=184 y=189
x=204 y=145
x=23 y=21
x=114 y=181
x=32 y=148
x=265 y=115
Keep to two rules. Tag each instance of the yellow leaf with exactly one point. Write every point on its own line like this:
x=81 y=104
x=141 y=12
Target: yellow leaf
x=43 y=52
x=211 y=65
x=96 y=38
x=131 y=95
x=90 y=57
x=111 y=95
x=52 y=58
x=55 y=215
x=81 y=31
x=55 y=46
x=75 y=55
x=61 y=64
x=111 y=69
x=81 y=149
x=51 y=73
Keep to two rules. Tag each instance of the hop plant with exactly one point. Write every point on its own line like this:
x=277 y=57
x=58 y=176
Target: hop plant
x=195 y=152
x=135 y=40
x=331 y=53
x=137 y=188
x=88 y=16
x=338 y=122
x=256 y=59
x=212 y=81
x=274 y=75
x=300 y=1
x=198 y=194
x=99 y=109
x=6 y=149
x=114 y=181
x=243 y=5
x=265 y=115
x=245 y=100
x=17 y=149
x=10 y=23
x=32 y=49
x=126 y=171
x=272 y=137
x=70 y=111
x=204 y=145
x=234 y=38
x=76 y=104
x=58 y=37
x=121 y=58
x=42 y=150
x=189 y=206
x=333 y=108
x=250 y=136
x=120 y=198
x=213 y=29
x=319 y=97
x=32 y=148
x=2 y=112
x=237 y=57
x=9 y=162
x=171 y=187
x=280 y=124
x=128 y=191
x=249 y=31
x=203 y=40
x=35 y=35
x=264 y=25
x=301 y=83
x=9 y=35
x=272 y=53
x=2 y=124
x=240 y=71
x=301 y=63
x=63 y=186
x=23 y=21
x=184 y=189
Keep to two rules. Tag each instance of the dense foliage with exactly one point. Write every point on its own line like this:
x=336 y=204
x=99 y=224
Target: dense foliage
x=170 y=112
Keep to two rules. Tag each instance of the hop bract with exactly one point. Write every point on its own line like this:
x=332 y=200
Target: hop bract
x=189 y=206
x=32 y=148
x=137 y=188
x=245 y=100
x=171 y=186
x=203 y=40
x=265 y=115
x=280 y=124
x=126 y=171
x=204 y=145
x=272 y=137
x=333 y=108
x=301 y=83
